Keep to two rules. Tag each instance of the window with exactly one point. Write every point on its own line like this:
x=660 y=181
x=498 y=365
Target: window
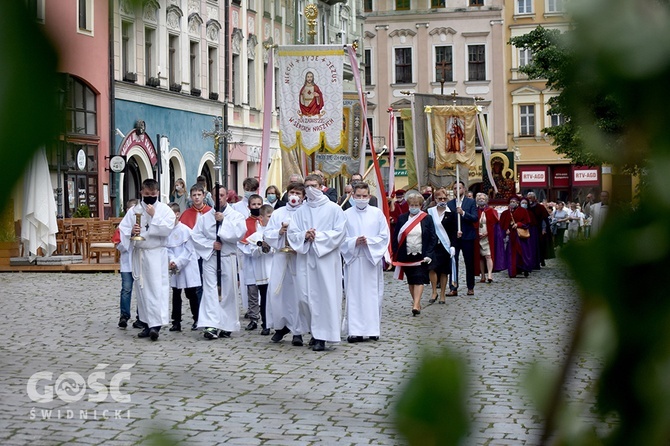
x=368 y=67
x=527 y=115
x=403 y=65
x=402 y=5
x=212 y=70
x=300 y=26
x=400 y=133
x=478 y=142
x=476 y=2
x=557 y=120
x=525 y=57
x=524 y=6
x=80 y=109
x=235 y=76
x=85 y=15
x=251 y=82
x=370 y=132
x=443 y=64
x=438 y=3
x=81 y=186
x=126 y=48
x=277 y=10
x=149 y=51
x=36 y=9
x=476 y=63
x=367 y=5
x=554 y=5
x=194 y=53
x=277 y=87
x=173 y=59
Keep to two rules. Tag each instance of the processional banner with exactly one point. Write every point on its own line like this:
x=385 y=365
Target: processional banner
x=310 y=97
x=453 y=129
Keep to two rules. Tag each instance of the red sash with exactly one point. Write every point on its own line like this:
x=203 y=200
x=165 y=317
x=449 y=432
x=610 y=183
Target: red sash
x=190 y=216
x=251 y=228
x=399 y=265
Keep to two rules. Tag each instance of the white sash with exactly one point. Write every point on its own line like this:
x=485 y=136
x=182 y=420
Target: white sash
x=439 y=229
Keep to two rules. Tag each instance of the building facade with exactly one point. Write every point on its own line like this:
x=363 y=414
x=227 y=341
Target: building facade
x=434 y=47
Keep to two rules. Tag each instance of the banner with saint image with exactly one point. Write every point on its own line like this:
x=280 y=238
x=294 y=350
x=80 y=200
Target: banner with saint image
x=453 y=129
x=310 y=97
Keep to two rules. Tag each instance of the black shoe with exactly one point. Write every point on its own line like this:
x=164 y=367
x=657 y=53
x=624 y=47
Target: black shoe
x=415 y=311
x=374 y=338
x=175 y=327
x=246 y=315
x=252 y=326
x=279 y=335
x=210 y=333
x=224 y=334
x=265 y=332
x=123 y=322
x=312 y=342
x=138 y=324
x=144 y=333
x=153 y=333
x=525 y=274
x=297 y=340
x=352 y=339
x=194 y=327
x=319 y=346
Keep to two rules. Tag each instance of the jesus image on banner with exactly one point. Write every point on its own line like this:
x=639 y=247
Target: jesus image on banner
x=455 y=135
x=310 y=97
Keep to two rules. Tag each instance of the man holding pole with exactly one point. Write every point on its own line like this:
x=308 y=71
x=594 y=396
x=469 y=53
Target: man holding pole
x=462 y=235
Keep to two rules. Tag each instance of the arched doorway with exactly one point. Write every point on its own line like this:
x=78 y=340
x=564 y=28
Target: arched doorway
x=132 y=181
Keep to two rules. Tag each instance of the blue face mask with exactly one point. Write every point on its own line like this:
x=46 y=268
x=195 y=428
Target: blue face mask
x=414 y=211
x=248 y=194
x=272 y=198
x=442 y=204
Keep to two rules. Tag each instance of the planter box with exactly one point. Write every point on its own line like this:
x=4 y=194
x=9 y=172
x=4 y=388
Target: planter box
x=130 y=77
x=153 y=82
x=175 y=87
x=196 y=92
x=7 y=251
x=214 y=96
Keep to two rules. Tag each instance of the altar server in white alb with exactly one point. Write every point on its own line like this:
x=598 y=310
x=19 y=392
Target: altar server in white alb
x=184 y=271
x=219 y=313
x=316 y=233
x=366 y=242
x=288 y=315
x=149 y=257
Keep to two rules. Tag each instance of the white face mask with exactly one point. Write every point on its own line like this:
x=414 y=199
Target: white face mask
x=313 y=193
x=362 y=203
x=294 y=201
x=414 y=211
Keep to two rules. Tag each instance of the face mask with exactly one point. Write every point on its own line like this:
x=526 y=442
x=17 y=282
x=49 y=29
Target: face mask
x=362 y=203
x=524 y=205
x=442 y=204
x=513 y=205
x=272 y=198
x=426 y=196
x=401 y=198
x=248 y=194
x=414 y=211
x=255 y=212
x=313 y=193
x=294 y=200
x=149 y=200
x=481 y=203
x=178 y=188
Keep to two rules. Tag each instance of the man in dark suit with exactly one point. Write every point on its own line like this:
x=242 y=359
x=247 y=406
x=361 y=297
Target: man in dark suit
x=465 y=209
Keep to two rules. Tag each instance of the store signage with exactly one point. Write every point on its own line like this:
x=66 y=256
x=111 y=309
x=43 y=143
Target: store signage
x=533 y=176
x=585 y=176
x=117 y=163
x=81 y=159
x=135 y=138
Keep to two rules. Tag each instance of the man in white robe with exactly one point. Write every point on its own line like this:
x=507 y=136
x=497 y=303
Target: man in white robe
x=149 y=257
x=283 y=300
x=366 y=242
x=219 y=312
x=316 y=233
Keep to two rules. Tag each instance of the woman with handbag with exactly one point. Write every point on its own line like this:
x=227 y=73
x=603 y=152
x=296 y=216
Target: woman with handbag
x=515 y=221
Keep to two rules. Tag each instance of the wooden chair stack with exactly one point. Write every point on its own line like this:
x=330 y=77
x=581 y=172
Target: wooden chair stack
x=99 y=239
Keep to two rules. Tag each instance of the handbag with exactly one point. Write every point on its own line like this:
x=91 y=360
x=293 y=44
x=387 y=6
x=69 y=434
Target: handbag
x=521 y=232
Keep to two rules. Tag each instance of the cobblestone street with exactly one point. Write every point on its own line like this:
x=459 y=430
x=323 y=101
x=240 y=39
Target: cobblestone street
x=248 y=391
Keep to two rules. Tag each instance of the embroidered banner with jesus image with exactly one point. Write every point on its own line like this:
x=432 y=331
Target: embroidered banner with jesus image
x=310 y=97
x=453 y=129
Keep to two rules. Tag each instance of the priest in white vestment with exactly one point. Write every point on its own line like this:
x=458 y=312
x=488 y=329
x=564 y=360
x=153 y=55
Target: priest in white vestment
x=149 y=257
x=219 y=312
x=288 y=316
x=316 y=233
x=366 y=242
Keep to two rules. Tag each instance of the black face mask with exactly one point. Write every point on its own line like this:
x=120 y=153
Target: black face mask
x=426 y=196
x=255 y=212
x=149 y=200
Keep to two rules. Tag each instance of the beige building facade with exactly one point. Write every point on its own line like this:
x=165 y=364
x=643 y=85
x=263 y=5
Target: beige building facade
x=434 y=47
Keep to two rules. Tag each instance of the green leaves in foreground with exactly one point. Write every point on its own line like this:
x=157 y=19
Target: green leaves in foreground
x=432 y=409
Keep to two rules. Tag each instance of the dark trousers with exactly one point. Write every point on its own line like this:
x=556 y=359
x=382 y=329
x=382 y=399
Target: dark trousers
x=467 y=247
x=192 y=296
x=263 y=290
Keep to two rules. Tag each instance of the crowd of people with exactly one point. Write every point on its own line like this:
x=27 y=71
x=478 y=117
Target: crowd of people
x=289 y=259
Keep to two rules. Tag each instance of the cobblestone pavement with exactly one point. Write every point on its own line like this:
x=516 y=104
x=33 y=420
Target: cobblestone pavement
x=248 y=391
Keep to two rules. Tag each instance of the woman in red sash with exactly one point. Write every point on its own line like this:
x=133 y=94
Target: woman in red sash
x=413 y=248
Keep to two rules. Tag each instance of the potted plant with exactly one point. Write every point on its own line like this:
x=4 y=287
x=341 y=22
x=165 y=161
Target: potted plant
x=82 y=211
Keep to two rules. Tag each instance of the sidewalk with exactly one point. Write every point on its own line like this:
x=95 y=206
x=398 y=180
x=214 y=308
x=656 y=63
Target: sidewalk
x=248 y=391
